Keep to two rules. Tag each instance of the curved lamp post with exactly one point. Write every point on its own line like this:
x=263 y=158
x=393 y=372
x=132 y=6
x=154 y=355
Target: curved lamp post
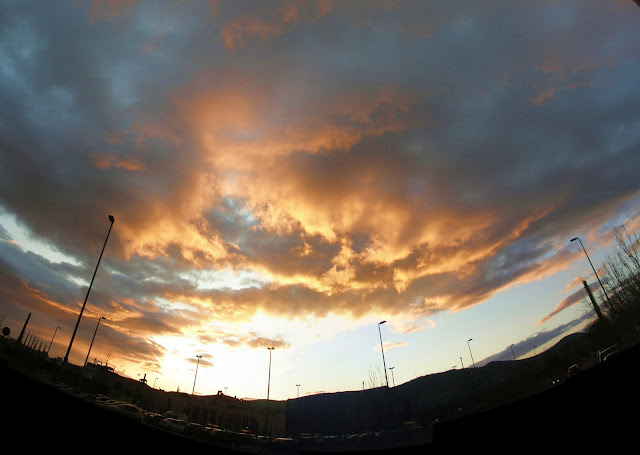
x=266 y=419
x=196 y=376
x=94 y=337
x=468 y=344
x=54 y=335
x=66 y=357
x=194 y=387
x=382 y=349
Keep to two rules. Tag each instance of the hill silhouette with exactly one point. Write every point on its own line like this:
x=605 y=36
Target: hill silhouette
x=442 y=396
x=500 y=404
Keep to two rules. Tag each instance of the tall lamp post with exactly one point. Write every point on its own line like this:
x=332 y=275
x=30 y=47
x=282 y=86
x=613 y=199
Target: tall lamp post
x=66 y=357
x=392 y=376
x=382 y=349
x=196 y=376
x=514 y=355
x=298 y=386
x=194 y=387
x=469 y=344
x=94 y=337
x=266 y=418
x=54 y=335
x=594 y=269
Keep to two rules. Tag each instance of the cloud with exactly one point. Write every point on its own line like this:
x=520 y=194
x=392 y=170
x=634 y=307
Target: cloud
x=410 y=326
x=579 y=295
x=390 y=345
x=262 y=342
x=106 y=161
x=204 y=361
x=347 y=157
x=109 y=9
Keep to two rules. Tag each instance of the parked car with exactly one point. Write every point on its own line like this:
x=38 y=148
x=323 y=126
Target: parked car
x=104 y=401
x=573 y=369
x=128 y=410
x=195 y=430
x=610 y=354
x=152 y=418
x=604 y=353
x=175 y=425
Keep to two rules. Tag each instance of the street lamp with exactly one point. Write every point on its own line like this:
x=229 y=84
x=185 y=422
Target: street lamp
x=298 y=386
x=54 y=335
x=468 y=344
x=194 y=388
x=66 y=357
x=392 y=376
x=196 y=376
x=266 y=420
x=514 y=356
x=94 y=337
x=594 y=269
x=382 y=349
x=154 y=383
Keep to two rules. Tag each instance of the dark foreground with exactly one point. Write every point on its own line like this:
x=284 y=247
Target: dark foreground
x=597 y=408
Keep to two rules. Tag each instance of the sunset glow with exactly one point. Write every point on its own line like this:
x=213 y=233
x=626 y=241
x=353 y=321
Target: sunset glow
x=290 y=173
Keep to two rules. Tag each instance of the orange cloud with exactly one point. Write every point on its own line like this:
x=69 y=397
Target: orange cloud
x=109 y=9
x=107 y=161
x=574 y=298
x=236 y=32
x=542 y=97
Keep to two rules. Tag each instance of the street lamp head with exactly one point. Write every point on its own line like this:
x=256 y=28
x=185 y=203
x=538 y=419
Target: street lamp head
x=382 y=322
x=270 y=348
x=111 y=218
x=470 y=339
x=575 y=238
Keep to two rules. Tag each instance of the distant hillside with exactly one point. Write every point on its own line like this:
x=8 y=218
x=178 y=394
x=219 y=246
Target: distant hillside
x=441 y=396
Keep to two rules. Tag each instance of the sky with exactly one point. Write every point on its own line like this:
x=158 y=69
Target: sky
x=288 y=174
